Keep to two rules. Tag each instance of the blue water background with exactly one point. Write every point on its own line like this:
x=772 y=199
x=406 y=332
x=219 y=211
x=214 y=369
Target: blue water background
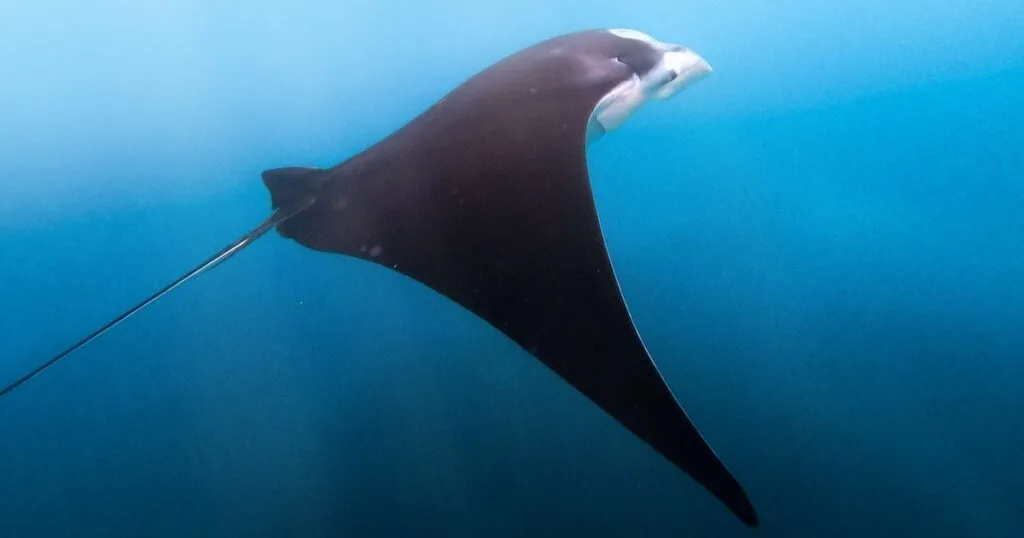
x=821 y=245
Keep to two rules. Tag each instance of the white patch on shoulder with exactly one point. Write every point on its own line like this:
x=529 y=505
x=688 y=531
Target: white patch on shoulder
x=628 y=33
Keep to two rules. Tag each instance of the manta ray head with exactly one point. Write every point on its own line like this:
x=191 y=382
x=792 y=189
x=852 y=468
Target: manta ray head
x=660 y=71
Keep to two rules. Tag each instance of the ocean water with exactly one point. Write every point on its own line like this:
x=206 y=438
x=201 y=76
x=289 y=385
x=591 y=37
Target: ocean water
x=821 y=245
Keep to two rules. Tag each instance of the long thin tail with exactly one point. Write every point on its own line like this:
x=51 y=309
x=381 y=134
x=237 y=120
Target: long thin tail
x=277 y=217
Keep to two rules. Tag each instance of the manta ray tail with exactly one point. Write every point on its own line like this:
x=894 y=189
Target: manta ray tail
x=293 y=185
x=287 y=202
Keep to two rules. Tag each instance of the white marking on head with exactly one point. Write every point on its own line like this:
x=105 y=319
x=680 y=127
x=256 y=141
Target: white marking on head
x=629 y=33
x=682 y=67
x=677 y=69
x=376 y=250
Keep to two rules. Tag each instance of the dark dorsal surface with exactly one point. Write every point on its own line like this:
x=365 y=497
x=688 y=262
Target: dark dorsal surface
x=485 y=198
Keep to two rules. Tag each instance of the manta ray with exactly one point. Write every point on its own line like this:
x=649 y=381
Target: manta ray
x=486 y=199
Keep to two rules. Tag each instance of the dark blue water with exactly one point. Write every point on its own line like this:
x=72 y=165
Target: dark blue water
x=823 y=258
